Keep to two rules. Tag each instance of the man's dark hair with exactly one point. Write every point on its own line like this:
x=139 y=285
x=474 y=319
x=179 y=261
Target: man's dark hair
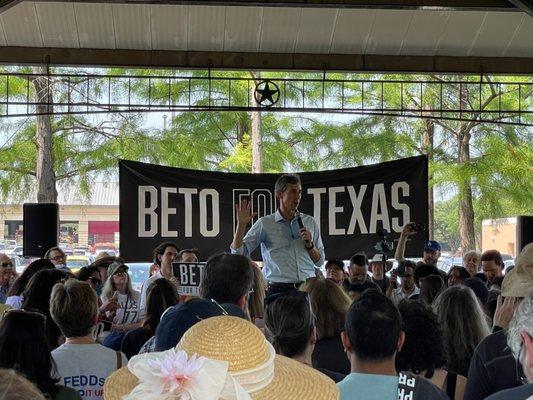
x=286 y=179
x=493 y=255
x=373 y=326
x=86 y=272
x=403 y=265
x=423 y=349
x=160 y=250
x=194 y=250
x=334 y=262
x=363 y=287
x=359 y=259
x=226 y=278
x=423 y=270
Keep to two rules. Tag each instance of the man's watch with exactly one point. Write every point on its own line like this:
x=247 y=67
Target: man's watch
x=310 y=247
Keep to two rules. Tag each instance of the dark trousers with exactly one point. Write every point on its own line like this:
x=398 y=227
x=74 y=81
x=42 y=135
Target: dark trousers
x=274 y=288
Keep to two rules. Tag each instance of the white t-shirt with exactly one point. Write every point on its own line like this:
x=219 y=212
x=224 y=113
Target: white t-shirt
x=144 y=289
x=398 y=294
x=128 y=308
x=85 y=367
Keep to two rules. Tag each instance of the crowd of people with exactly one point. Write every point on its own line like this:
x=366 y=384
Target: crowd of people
x=368 y=331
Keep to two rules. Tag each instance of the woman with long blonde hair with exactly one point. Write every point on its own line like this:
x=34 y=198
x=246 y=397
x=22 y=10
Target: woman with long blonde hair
x=126 y=317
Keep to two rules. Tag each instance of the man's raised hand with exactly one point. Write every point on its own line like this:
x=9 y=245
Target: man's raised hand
x=244 y=212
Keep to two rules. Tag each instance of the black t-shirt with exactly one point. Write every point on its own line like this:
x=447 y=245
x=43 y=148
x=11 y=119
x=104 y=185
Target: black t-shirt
x=335 y=376
x=329 y=354
x=134 y=340
x=492 y=368
x=380 y=283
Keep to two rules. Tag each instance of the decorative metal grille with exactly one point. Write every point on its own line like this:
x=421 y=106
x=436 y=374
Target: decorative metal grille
x=482 y=101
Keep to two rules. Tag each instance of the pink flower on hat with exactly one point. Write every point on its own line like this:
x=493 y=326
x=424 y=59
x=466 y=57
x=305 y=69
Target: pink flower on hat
x=176 y=371
x=169 y=375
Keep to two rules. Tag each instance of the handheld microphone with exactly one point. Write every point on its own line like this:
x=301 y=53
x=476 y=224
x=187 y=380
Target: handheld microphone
x=301 y=225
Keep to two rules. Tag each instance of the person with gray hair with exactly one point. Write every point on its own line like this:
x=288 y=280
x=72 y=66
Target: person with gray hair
x=520 y=341
x=290 y=241
x=472 y=262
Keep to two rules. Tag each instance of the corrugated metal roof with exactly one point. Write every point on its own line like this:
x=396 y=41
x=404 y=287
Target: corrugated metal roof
x=102 y=194
x=268 y=29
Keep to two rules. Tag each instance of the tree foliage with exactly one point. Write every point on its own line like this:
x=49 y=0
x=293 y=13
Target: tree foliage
x=497 y=170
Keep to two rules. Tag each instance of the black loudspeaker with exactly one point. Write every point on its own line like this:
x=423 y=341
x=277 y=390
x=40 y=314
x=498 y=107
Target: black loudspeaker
x=41 y=228
x=524 y=232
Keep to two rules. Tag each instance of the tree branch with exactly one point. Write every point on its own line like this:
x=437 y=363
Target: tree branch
x=18 y=170
x=78 y=171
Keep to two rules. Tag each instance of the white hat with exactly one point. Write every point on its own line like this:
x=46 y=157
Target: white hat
x=377 y=258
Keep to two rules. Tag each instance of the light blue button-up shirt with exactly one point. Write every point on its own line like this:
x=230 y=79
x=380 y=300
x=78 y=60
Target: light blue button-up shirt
x=284 y=255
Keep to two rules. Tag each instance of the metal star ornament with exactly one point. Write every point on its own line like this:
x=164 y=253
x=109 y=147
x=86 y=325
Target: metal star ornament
x=266 y=93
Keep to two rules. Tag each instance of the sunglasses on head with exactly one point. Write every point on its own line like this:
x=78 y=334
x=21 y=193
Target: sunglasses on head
x=293 y=293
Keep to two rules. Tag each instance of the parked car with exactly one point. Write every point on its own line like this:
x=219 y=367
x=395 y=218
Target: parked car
x=19 y=266
x=75 y=263
x=80 y=251
x=18 y=251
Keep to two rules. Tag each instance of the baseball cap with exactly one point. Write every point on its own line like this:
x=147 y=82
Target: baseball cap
x=432 y=245
x=176 y=321
x=113 y=267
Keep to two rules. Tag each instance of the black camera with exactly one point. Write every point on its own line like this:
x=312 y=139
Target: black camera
x=382 y=246
x=417 y=227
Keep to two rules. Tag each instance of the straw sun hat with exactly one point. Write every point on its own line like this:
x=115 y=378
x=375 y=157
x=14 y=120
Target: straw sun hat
x=519 y=281
x=219 y=358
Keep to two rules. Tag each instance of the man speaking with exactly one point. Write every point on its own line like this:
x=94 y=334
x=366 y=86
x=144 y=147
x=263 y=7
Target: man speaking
x=291 y=245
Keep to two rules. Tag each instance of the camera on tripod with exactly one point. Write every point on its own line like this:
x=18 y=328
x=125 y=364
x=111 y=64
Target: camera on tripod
x=382 y=246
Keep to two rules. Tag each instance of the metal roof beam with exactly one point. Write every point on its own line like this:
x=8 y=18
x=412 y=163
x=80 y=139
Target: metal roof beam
x=479 y=5
x=524 y=5
x=265 y=61
x=7 y=4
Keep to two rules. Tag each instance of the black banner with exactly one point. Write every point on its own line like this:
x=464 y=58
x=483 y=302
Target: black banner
x=197 y=208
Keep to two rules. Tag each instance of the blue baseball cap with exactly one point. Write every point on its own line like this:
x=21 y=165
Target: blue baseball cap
x=432 y=245
x=177 y=320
